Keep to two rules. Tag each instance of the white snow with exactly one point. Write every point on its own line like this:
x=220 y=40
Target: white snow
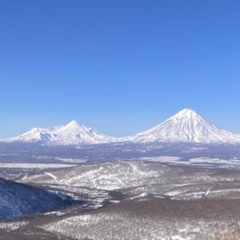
x=71 y=160
x=206 y=162
x=34 y=165
x=185 y=126
x=51 y=175
x=56 y=213
x=12 y=226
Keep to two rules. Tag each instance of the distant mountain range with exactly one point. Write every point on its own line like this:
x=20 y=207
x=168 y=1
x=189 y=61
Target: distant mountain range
x=71 y=134
x=185 y=126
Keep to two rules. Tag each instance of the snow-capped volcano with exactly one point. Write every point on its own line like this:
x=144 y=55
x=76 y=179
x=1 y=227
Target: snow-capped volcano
x=186 y=126
x=72 y=133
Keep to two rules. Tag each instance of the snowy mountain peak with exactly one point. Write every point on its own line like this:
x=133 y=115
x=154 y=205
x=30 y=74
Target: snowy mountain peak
x=74 y=127
x=186 y=112
x=73 y=124
x=186 y=126
x=187 y=120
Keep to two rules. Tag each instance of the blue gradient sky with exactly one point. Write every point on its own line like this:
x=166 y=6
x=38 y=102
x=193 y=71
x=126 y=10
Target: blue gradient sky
x=120 y=67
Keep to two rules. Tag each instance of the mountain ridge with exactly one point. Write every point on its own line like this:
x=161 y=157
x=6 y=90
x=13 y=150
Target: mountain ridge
x=184 y=126
x=71 y=134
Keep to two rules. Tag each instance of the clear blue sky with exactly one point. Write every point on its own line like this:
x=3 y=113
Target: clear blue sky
x=119 y=66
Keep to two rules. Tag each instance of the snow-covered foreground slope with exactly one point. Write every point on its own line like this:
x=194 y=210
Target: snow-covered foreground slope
x=71 y=134
x=185 y=126
x=19 y=199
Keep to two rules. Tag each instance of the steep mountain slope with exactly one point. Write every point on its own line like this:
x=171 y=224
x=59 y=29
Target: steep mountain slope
x=19 y=199
x=186 y=126
x=72 y=133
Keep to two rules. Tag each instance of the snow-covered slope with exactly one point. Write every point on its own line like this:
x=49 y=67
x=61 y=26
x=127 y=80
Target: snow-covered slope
x=19 y=199
x=72 y=133
x=185 y=126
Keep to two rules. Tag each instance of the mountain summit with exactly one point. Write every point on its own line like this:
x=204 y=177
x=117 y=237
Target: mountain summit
x=186 y=126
